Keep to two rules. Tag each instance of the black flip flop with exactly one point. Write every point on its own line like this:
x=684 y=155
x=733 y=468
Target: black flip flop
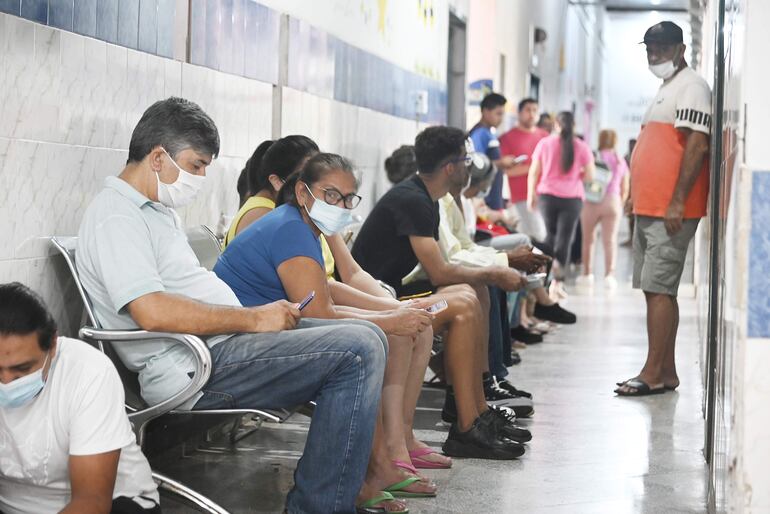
x=641 y=388
x=667 y=388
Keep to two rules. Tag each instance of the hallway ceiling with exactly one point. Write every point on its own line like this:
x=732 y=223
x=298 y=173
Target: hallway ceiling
x=647 y=4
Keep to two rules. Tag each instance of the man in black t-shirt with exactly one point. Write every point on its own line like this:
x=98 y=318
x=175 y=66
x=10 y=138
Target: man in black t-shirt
x=401 y=231
x=383 y=247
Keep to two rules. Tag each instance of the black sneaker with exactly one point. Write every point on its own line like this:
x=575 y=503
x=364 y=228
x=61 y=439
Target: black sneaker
x=480 y=442
x=554 y=313
x=498 y=396
x=507 y=386
x=499 y=421
x=515 y=358
x=525 y=336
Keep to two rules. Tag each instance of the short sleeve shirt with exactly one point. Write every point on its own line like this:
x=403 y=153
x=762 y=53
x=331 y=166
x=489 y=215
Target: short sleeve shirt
x=555 y=181
x=682 y=102
x=129 y=246
x=80 y=411
x=485 y=141
x=382 y=247
x=250 y=263
x=517 y=142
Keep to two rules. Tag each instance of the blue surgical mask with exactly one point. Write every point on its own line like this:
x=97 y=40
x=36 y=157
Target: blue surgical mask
x=329 y=219
x=22 y=390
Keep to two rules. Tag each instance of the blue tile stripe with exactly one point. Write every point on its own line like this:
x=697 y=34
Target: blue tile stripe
x=324 y=65
x=759 y=256
x=242 y=37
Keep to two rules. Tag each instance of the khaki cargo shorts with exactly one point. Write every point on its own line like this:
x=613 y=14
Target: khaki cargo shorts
x=659 y=258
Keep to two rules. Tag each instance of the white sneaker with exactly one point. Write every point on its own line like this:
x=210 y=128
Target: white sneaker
x=610 y=283
x=585 y=281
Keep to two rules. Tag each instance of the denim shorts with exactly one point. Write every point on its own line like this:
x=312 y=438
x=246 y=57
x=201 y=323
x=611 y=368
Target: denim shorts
x=658 y=257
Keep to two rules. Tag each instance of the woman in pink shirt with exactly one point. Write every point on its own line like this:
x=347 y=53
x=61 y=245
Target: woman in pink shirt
x=560 y=164
x=606 y=210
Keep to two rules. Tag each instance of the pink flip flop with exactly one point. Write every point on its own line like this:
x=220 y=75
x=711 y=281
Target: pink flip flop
x=405 y=466
x=418 y=462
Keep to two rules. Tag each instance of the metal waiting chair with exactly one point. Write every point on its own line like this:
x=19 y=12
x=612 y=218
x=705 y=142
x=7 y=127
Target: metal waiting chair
x=139 y=413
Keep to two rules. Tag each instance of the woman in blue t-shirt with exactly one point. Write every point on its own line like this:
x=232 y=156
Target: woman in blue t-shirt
x=279 y=257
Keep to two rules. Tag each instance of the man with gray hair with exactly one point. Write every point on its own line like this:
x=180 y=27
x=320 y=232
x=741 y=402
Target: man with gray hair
x=140 y=272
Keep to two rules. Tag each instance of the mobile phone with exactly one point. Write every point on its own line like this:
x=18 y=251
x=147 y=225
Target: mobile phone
x=533 y=281
x=519 y=159
x=537 y=251
x=534 y=277
x=437 y=307
x=307 y=300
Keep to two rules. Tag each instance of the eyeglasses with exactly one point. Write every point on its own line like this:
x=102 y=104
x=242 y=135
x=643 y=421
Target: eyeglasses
x=334 y=197
x=467 y=159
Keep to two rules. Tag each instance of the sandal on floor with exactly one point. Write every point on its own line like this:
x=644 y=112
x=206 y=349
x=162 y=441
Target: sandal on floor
x=397 y=489
x=641 y=388
x=419 y=462
x=369 y=506
x=667 y=388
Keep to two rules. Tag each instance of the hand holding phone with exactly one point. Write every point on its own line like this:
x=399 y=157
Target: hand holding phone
x=437 y=307
x=520 y=159
x=307 y=300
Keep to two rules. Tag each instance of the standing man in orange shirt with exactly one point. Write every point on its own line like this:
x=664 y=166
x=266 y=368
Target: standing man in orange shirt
x=669 y=191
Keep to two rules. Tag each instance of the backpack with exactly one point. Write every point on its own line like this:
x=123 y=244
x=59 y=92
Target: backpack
x=597 y=188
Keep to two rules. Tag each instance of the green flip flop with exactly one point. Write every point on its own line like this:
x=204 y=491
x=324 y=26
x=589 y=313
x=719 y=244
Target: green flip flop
x=397 y=490
x=368 y=507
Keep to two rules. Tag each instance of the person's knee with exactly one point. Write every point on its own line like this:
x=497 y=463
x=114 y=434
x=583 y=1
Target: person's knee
x=366 y=342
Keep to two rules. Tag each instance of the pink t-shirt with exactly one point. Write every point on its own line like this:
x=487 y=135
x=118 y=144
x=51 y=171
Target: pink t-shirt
x=553 y=180
x=618 y=167
x=517 y=142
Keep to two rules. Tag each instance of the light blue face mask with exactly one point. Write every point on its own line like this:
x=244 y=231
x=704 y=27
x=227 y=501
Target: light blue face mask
x=22 y=390
x=329 y=219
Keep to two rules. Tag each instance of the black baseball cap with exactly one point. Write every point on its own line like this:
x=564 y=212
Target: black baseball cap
x=665 y=32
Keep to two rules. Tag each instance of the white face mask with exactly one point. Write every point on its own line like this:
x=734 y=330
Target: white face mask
x=329 y=219
x=24 y=389
x=182 y=191
x=664 y=70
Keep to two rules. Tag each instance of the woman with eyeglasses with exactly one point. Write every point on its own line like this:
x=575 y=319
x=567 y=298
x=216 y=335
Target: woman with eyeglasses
x=279 y=257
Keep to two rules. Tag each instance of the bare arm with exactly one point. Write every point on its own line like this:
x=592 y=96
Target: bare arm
x=588 y=171
x=93 y=479
x=696 y=149
x=442 y=273
x=350 y=271
x=343 y=294
x=625 y=188
x=250 y=217
x=517 y=170
x=165 y=312
x=532 y=180
x=300 y=275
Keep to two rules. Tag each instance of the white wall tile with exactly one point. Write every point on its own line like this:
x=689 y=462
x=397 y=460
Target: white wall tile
x=95 y=95
x=755 y=420
x=18 y=47
x=68 y=105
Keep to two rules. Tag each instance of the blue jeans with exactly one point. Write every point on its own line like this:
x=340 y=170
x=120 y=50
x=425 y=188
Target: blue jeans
x=340 y=365
x=499 y=333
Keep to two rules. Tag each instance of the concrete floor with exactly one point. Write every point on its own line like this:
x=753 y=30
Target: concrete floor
x=592 y=452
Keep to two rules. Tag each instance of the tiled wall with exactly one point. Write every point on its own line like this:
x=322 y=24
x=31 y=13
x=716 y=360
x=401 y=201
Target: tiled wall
x=68 y=104
x=146 y=25
x=742 y=441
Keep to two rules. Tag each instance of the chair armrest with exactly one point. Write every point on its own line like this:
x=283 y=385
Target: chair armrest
x=195 y=344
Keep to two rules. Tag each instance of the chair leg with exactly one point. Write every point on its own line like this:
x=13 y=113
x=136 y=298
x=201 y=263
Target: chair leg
x=187 y=495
